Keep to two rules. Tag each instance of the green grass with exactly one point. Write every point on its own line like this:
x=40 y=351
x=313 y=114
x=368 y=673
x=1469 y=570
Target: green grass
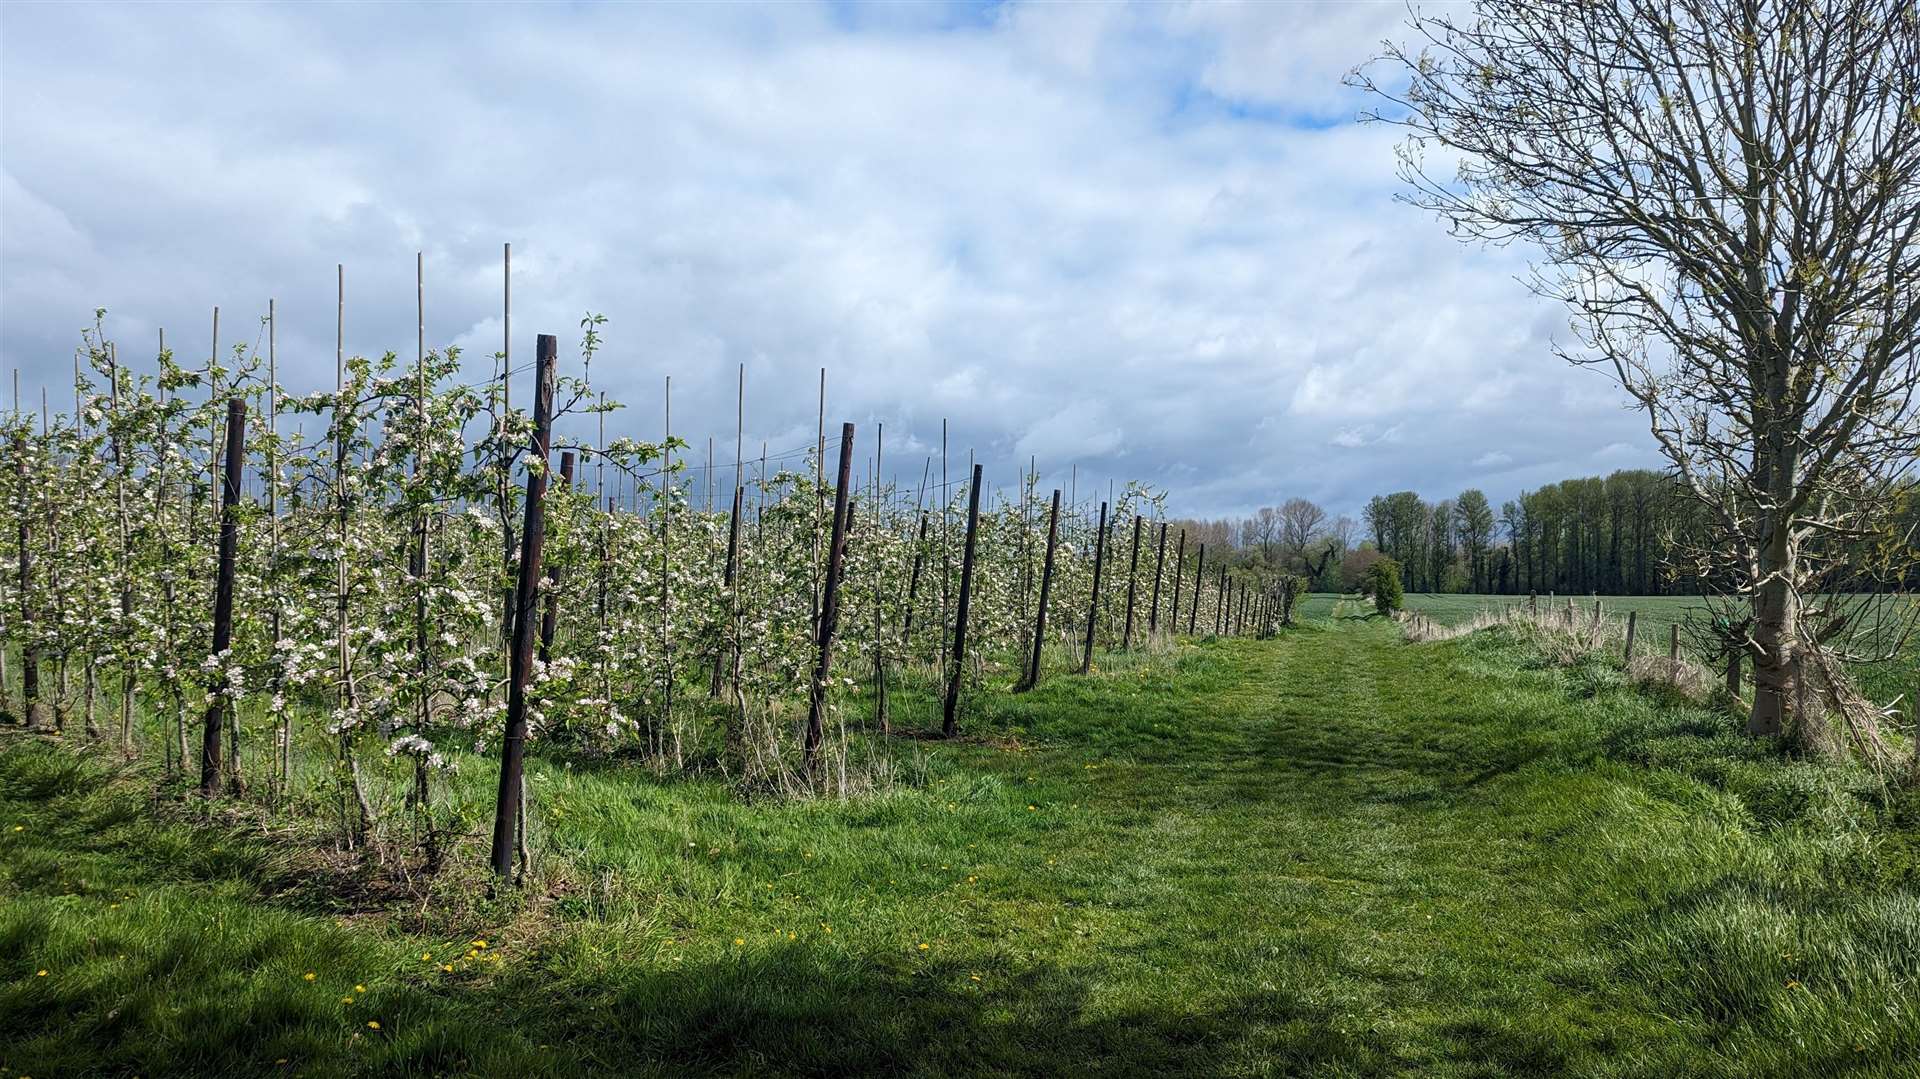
x=1331 y=853
x=1656 y=615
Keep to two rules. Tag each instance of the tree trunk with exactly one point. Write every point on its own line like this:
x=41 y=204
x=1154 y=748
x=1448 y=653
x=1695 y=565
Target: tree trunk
x=1776 y=657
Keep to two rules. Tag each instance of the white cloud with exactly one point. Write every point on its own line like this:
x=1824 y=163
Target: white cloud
x=1026 y=223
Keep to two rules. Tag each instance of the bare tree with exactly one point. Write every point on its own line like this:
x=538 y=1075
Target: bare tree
x=1263 y=531
x=1726 y=193
x=1300 y=523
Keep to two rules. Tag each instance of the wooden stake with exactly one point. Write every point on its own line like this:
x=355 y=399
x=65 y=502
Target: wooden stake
x=1199 y=575
x=223 y=598
x=950 y=713
x=1093 y=602
x=1133 y=568
x=1032 y=678
x=513 y=746
x=1159 y=564
x=829 y=610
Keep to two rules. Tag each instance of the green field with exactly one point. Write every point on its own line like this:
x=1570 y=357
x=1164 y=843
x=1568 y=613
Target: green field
x=1656 y=615
x=1330 y=853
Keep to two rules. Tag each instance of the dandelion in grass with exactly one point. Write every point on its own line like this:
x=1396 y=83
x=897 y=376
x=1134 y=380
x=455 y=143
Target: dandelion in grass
x=373 y=1024
x=739 y=942
x=359 y=988
x=924 y=946
x=309 y=976
x=40 y=974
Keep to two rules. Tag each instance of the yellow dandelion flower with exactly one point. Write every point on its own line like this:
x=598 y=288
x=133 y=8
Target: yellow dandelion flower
x=309 y=976
x=426 y=957
x=373 y=1024
x=346 y=1000
x=1031 y=809
x=40 y=974
x=923 y=947
x=19 y=827
x=738 y=942
x=359 y=988
x=448 y=967
x=479 y=943
x=975 y=977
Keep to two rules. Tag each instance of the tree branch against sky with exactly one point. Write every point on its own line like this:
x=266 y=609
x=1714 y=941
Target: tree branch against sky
x=1726 y=195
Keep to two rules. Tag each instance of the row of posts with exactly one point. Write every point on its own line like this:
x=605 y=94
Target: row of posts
x=1238 y=606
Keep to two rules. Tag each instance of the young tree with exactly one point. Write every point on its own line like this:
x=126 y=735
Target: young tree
x=1726 y=193
x=1383 y=583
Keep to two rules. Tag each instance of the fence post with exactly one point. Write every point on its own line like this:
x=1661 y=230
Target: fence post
x=1159 y=563
x=223 y=596
x=533 y=534
x=1220 y=602
x=829 y=609
x=1199 y=575
x=1533 y=604
x=1633 y=624
x=1673 y=653
x=726 y=583
x=1093 y=603
x=1032 y=677
x=949 y=721
x=30 y=709
x=1133 y=569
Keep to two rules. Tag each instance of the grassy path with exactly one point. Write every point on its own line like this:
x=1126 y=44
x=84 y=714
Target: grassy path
x=1332 y=853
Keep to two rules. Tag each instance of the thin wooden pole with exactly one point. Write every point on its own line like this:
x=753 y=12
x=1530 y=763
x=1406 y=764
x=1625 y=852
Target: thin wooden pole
x=219 y=691
x=951 y=712
x=1032 y=678
x=829 y=611
x=1133 y=569
x=1093 y=601
x=1159 y=564
x=513 y=746
x=879 y=638
x=1199 y=575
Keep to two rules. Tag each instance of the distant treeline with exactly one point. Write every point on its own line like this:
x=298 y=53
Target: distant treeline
x=1620 y=534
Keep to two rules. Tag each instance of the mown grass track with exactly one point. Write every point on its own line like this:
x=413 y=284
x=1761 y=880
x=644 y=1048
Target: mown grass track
x=1333 y=853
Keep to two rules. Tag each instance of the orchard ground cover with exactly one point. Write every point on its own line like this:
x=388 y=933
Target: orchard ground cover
x=1329 y=852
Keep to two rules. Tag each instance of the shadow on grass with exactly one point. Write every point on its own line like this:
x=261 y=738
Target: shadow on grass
x=229 y=1003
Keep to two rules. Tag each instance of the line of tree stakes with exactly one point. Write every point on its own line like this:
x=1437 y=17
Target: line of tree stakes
x=345 y=592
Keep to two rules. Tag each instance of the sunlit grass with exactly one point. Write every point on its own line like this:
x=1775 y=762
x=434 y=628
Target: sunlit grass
x=1332 y=852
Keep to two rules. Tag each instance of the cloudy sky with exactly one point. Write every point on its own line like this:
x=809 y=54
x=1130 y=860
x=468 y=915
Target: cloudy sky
x=1149 y=241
